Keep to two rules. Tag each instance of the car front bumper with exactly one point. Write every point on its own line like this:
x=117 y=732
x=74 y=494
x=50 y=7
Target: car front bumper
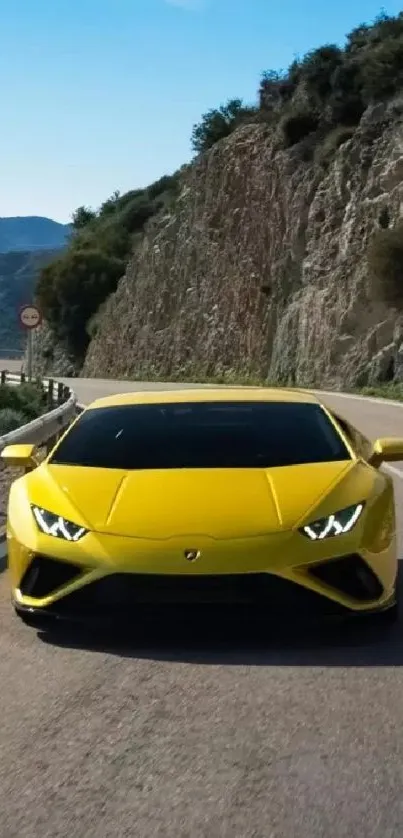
x=121 y=596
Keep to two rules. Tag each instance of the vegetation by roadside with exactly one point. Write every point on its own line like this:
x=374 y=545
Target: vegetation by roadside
x=72 y=288
x=19 y=405
x=316 y=104
x=394 y=392
x=232 y=378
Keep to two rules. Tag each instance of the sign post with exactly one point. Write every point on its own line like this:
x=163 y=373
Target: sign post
x=30 y=319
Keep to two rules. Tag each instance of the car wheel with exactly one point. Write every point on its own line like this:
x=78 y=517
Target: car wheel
x=389 y=616
x=40 y=622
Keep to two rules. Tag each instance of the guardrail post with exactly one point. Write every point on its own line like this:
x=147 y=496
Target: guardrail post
x=50 y=392
x=50 y=444
x=23 y=378
x=47 y=429
x=3 y=377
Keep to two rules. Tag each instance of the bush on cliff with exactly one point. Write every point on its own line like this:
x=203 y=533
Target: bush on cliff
x=385 y=265
x=329 y=87
x=297 y=126
x=219 y=123
x=71 y=289
x=338 y=84
x=318 y=101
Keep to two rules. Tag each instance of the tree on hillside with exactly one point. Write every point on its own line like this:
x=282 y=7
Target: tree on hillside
x=111 y=205
x=71 y=289
x=382 y=70
x=219 y=123
x=82 y=217
x=318 y=67
x=275 y=89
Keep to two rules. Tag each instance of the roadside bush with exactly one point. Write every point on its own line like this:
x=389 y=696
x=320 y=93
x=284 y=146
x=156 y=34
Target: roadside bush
x=385 y=265
x=10 y=420
x=28 y=399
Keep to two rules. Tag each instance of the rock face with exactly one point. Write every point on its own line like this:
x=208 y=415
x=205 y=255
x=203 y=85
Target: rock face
x=50 y=357
x=262 y=268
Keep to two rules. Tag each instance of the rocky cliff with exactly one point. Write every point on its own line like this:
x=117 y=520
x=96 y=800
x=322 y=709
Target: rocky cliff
x=261 y=268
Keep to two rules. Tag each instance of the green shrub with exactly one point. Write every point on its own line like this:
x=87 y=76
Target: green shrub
x=71 y=289
x=82 y=217
x=385 y=265
x=328 y=88
x=10 y=420
x=219 y=123
x=332 y=141
x=29 y=399
x=276 y=88
x=382 y=71
x=337 y=84
x=317 y=70
x=346 y=103
x=297 y=126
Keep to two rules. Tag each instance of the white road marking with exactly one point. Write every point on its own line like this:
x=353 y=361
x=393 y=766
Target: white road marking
x=356 y=398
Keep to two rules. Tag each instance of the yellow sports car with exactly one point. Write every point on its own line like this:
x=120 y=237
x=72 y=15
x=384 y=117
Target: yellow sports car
x=254 y=496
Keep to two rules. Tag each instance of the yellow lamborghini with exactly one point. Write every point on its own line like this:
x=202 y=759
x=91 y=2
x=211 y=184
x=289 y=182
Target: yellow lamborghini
x=255 y=496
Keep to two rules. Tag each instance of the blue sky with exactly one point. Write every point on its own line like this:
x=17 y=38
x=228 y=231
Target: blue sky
x=99 y=95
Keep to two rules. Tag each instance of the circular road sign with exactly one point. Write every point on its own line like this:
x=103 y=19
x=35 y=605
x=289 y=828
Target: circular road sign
x=30 y=317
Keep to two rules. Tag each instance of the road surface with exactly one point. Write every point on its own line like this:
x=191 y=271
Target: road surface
x=206 y=730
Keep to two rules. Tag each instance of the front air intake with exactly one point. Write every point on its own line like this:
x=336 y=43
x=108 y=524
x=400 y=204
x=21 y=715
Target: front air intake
x=351 y=576
x=44 y=576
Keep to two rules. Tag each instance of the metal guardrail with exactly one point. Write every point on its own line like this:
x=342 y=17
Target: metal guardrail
x=46 y=429
x=43 y=431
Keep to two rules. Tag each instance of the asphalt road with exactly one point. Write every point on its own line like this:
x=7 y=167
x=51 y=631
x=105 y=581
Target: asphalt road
x=204 y=729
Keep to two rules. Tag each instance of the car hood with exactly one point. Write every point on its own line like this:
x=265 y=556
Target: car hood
x=220 y=503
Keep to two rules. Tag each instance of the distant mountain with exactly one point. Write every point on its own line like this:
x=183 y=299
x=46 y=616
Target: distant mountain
x=18 y=274
x=32 y=232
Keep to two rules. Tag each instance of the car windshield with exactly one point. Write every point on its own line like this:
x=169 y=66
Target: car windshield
x=201 y=435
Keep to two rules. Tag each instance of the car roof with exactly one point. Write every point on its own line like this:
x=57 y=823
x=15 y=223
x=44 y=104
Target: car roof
x=207 y=394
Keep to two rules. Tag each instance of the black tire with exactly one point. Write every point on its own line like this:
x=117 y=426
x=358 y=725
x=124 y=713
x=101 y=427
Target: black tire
x=40 y=622
x=388 y=617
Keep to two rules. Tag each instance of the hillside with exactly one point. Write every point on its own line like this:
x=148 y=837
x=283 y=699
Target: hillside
x=18 y=276
x=32 y=233
x=278 y=253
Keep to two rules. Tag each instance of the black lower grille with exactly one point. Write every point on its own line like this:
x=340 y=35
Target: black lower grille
x=44 y=575
x=351 y=576
x=122 y=592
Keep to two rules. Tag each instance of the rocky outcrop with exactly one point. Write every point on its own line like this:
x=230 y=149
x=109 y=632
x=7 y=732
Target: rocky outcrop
x=262 y=267
x=50 y=357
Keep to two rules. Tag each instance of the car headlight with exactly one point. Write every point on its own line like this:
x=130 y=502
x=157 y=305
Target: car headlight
x=336 y=524
x=55 y=525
